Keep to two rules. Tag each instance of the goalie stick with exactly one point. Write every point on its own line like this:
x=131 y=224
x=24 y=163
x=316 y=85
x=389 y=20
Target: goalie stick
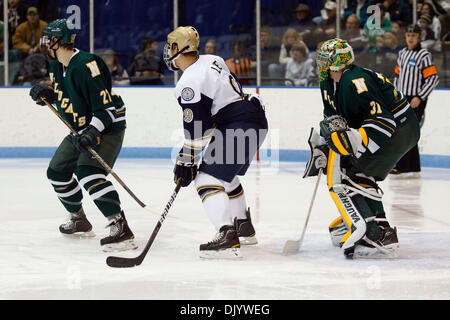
x=123 y=262
x=100 y=160
x=293 y=246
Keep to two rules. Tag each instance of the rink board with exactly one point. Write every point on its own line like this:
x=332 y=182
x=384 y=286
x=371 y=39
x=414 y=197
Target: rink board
x=155 y=124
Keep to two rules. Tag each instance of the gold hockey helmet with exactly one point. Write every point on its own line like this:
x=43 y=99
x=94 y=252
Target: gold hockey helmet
x=186 y=39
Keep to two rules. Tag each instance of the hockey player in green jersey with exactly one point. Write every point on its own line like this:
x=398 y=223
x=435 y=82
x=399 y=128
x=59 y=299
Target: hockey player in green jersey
x=368 y=126
x=81 y=91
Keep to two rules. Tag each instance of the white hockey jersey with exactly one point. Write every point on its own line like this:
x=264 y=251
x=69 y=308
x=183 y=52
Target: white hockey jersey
x=210 y=95
x=209 y=77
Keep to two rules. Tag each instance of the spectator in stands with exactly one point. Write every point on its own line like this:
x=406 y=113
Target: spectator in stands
x=290 y=37
x=147 y=67
x=358 y=8
x=17 y=14
x=384 y=59
x=27 y=35
x=13 y=59
x=435 y=25
x=119 y=75
x=300 y=68
x=240 y=64
x=372 y=30
x=303 y=22
x=399 y=11
x=270 y=53
x=427 y=39
x=327 y=27
x=210 y=47
x=314 y=5
x=353 y=34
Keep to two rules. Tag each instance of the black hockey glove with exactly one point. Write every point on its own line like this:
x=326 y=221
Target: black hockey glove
x=186 y=166
x=89 y=138
x=39 y=91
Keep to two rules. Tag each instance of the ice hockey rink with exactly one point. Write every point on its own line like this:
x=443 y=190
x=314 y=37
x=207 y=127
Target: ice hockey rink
x=37 y=262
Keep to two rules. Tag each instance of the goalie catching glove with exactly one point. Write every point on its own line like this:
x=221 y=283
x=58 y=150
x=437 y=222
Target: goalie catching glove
x=319 y=154
x=342 y=139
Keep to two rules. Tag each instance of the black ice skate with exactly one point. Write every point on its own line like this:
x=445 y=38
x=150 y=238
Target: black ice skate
x=77 y=225
x=120 y=237
x=224 y=246
x=385 y=248
x=245 y=230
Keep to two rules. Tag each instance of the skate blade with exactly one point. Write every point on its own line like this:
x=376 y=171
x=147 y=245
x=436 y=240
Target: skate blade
x=374 y=253
x=248 y=241
x=120 y=246
x=228 y=254
x=79 y=235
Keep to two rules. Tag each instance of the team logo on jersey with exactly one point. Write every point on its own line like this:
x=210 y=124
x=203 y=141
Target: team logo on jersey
x=188 y=115
x=412 y=62
x=187 y=94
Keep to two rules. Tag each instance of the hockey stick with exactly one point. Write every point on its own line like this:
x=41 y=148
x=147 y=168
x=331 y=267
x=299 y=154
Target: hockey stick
x=100 y=160
x=122 y=262
x=293 y=246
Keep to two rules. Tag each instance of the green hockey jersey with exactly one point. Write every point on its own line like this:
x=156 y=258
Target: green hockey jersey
x=83 y=93
x=369 y=100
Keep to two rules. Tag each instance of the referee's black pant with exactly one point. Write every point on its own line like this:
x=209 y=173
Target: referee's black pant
x=410 y=162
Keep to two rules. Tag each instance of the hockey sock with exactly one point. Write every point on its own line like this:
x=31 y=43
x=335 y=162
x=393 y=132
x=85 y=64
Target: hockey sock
x=238 y=203
x=215 y=199
x=102 y=191
x=67 y=189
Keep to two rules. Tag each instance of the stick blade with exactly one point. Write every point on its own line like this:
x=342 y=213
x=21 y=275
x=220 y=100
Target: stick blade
x=291 y=247
x=122 y=262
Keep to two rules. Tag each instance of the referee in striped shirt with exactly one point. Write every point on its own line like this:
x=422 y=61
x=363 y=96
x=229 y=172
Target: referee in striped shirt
x=416 y=77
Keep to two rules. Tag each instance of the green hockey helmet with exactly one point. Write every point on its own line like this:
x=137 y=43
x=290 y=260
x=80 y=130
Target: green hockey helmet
x=334 y=54
x=61 y=29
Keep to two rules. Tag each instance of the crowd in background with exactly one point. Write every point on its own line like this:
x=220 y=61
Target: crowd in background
x=287 y=52
x=289 y=59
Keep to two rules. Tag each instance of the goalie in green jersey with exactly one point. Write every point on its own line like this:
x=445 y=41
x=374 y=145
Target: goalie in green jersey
x=368 y=126
x=81 y=91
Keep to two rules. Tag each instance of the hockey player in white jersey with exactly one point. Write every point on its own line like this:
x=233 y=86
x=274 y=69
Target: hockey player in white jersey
x=231 y=125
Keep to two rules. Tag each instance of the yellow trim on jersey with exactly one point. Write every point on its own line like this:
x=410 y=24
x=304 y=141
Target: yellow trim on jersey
x=399 y=105
x=363 y=134
x=380 y=123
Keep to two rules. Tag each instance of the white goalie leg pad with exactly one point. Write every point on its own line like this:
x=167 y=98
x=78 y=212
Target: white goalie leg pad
x=347 y=209
x=350 y=213
x=215 y=199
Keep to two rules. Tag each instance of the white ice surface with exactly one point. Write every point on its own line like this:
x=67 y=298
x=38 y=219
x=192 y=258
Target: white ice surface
x=37 y=262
